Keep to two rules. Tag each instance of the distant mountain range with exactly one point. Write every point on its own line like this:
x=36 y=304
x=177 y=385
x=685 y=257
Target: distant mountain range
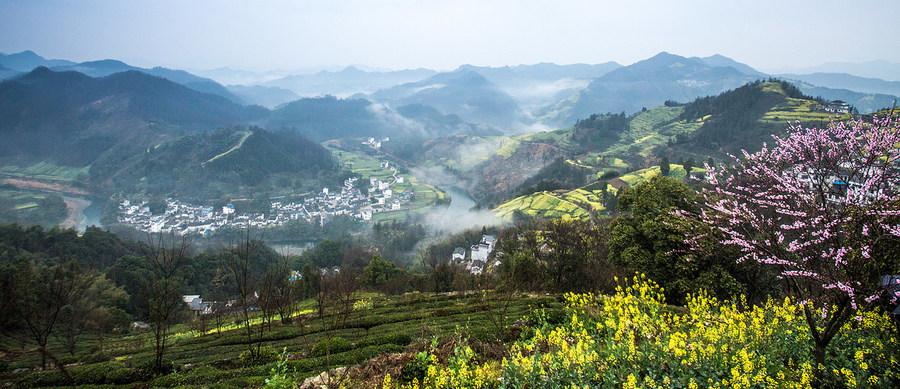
x=464 y=93
x=347 y=82
x=649 y=83
x=884 y=70
x=75 y=119
x=28 y=60
x=266 y=96
x=847 y=81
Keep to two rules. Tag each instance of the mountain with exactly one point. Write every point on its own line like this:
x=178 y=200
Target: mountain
x=324 y=118
x=540 y=84
x=75 y=119
x=848 y=81
x=347 y=82
x=872 y=69
x=495 y=169
x=266 y=96
x=230 y=76
x=723 y=61
x=464 y=93
x=107 y=67
x=235 y=161
x=438 y=123
x=649 y=83
x=863 y=102
x=7 y=73
x=27 y=60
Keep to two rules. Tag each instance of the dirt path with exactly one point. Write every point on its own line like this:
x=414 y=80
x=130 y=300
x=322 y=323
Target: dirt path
x=45 y=186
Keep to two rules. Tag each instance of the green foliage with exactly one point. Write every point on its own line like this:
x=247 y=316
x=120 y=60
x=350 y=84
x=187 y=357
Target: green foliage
x=555 y=255
x=328 y=346
x=280 y=375
x=600 y=130
x=265 y=355
x=647 y=237
x=379 y=272
x=416 y=368
x=30 y=208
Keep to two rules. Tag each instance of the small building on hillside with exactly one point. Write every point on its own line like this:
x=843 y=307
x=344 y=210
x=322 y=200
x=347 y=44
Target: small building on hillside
x=195 y=303
x=480 y=252
x=618 y=184
x=836 y=107
x=459 y=254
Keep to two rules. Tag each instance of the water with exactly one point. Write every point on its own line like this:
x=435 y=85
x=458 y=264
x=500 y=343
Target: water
x=460 y=215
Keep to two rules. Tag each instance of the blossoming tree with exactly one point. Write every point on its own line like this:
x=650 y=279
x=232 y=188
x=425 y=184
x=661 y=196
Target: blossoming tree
x=821 y=206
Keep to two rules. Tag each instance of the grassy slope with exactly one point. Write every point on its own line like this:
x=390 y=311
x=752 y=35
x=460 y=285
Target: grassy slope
x=211 y=360
x=578 y=203
x=46 y=171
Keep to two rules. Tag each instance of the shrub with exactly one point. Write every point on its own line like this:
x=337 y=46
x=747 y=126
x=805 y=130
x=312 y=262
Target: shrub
x=266 y=354
x=330 y=346
x=416 y=368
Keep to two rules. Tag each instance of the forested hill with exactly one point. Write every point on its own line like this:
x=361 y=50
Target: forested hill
x=608 y=144
x=236 y=161
x=744 y=118
x=72 y=118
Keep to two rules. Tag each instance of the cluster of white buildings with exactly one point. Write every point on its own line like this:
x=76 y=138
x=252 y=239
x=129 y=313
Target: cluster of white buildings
x=477 y=257
x=841 y=185
x=186 y=219
x=374 y=143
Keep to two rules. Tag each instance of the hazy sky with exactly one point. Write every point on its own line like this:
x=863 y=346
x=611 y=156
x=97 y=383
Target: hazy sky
x=443 y=34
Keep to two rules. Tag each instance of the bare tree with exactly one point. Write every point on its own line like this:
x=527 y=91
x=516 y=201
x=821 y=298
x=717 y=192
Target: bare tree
x=246 y=282
x=44 y=292
x=284 y=291
x=163 y=287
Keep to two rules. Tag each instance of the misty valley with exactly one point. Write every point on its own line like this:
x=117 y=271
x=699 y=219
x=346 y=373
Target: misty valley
x=173 y=218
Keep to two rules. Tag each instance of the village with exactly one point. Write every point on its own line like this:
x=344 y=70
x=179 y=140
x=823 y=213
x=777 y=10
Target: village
x=184 y=218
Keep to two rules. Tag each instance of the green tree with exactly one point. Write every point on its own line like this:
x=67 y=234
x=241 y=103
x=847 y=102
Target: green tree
x=664 y=167
x=379 y=272
x=648 y=237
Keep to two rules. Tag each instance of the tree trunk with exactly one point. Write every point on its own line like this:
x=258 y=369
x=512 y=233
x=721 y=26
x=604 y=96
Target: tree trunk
x=45 y=354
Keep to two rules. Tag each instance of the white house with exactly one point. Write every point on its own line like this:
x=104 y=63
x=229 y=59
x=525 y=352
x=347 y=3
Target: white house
x=480 y=252
x=459 y=254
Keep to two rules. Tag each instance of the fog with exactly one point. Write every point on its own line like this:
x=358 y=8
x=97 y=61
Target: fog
x=460 y=215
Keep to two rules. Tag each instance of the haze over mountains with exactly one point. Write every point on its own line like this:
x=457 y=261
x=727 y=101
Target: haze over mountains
x=99 y=115
x=513 y=98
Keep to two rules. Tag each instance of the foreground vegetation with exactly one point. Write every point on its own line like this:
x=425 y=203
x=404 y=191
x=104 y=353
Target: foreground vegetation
x=311 y=343
x=633 y=339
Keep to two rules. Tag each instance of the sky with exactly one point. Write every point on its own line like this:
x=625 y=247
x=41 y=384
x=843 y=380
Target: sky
x=268 y=35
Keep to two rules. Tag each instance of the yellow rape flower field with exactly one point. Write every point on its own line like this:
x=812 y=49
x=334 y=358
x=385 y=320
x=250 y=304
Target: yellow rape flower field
x=633 y=339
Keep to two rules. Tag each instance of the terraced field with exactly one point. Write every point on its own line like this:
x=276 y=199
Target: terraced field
x=575 y=204
x=46 y=171
x=675 y=171
x=31 y=207
x=398 y=324
x=799 y=110
x=579 y=203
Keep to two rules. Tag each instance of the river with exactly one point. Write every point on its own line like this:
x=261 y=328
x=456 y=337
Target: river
x=460 y=215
